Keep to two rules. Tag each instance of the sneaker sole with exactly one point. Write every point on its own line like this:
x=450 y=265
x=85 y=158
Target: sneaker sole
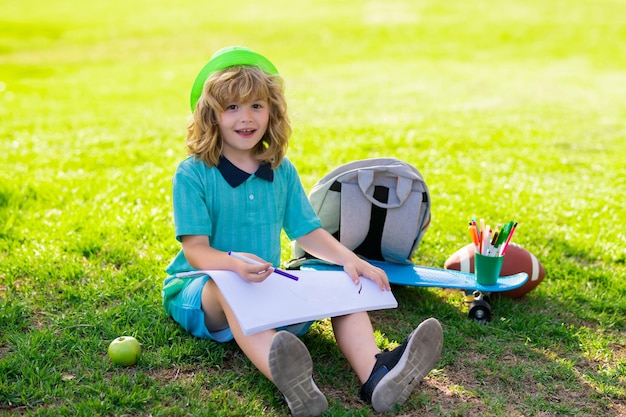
x=420 y=356
x=292 y=369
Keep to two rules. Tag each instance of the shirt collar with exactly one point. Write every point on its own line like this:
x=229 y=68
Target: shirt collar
x=235 y=176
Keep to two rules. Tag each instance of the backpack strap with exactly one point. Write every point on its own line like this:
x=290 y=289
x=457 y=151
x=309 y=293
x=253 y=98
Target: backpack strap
x=363 y=231
x=403 y=186
x=380 y=230
x=402 y=227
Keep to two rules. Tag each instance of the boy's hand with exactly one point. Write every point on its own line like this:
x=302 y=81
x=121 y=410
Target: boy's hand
x=253 y=272
x=323 y=245
x=360 y=268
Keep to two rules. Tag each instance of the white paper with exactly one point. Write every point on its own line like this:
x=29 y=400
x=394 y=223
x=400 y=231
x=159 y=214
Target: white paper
x=279 y=301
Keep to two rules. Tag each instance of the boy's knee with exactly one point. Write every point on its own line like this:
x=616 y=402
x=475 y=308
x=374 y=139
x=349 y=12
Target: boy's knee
x=214 y=317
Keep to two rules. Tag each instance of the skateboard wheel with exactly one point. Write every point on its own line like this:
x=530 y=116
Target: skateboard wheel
x=480 y=310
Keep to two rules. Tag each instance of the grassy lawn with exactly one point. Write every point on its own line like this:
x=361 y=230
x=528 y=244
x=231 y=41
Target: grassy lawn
x=509 y=109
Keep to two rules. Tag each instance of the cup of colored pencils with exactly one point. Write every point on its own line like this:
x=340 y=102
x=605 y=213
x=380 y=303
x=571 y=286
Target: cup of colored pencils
x=490 y=247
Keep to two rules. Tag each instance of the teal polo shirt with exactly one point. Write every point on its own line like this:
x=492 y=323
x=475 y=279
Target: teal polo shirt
x=239 y=211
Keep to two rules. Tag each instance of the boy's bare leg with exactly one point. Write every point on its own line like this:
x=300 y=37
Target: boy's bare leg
x=355 y=337
x=219 y=315
x=280 y=356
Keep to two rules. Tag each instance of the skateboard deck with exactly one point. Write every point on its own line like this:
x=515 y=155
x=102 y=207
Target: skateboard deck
x=422 y=276
x=476 y=295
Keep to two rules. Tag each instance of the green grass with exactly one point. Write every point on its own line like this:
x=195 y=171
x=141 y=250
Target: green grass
x=509 y=109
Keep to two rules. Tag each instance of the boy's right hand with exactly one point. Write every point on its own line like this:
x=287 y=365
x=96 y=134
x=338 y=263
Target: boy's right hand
x=201 y=255
x=253 y=272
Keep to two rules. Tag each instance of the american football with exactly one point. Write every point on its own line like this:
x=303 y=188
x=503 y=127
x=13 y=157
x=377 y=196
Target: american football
x=517 y=259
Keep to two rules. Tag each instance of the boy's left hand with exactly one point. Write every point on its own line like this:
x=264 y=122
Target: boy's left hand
x=323 y=245
x=360 y=268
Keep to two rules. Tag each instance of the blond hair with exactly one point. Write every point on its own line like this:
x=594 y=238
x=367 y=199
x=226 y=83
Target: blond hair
x=239 y=84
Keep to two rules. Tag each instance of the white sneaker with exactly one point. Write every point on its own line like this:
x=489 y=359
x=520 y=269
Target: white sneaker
x=397 y=372
x=292 y=370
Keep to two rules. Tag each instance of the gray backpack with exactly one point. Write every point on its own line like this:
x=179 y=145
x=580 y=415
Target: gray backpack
x=379 y=208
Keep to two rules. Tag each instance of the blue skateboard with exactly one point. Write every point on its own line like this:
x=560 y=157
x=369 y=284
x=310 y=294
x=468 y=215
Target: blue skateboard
x=476 y=295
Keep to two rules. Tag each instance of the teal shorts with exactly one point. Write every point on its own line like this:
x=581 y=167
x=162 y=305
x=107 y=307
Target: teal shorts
x=185 y=307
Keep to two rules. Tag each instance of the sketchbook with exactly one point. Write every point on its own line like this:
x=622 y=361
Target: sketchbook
x=279 y=301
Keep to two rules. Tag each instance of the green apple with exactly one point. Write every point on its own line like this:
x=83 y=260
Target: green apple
x=125 y=351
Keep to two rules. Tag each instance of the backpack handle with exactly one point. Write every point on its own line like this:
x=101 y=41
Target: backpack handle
x=402 y=189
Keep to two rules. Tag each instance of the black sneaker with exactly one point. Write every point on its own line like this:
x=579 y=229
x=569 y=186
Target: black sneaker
x=397 y=372
x=292 y=369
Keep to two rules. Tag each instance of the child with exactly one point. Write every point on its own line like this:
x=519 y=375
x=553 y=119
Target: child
x=237 y=191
